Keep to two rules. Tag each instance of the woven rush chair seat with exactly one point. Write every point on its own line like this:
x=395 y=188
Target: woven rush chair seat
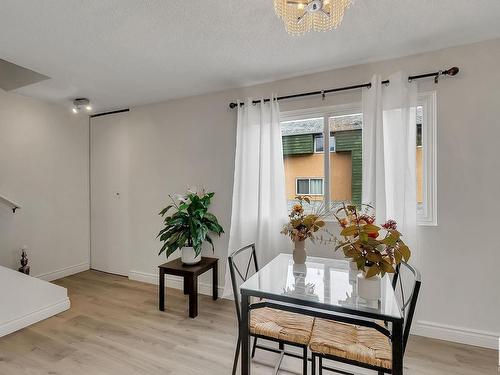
x=357 y=343
x=281 y=325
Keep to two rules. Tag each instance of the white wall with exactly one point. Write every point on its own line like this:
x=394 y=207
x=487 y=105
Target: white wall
x=44 y=168
x=192 y=141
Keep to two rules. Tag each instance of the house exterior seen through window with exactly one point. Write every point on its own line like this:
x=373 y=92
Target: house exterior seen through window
x=305 y=160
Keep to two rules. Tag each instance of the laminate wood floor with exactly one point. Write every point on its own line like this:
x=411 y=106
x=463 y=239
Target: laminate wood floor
x=114 y=327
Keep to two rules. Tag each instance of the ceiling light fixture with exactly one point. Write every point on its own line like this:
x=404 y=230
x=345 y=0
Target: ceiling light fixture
x=301 y=16
x=80 y=103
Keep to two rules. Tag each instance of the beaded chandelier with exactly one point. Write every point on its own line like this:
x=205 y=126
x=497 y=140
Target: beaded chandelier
x=301 y=16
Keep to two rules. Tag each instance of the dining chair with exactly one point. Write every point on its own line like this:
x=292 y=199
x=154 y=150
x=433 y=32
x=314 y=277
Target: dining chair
x=363 y=346
x=274 y=325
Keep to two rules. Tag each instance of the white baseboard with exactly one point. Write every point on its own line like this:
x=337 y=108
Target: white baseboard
x=34 y=317
x=456 y=334
x=63 y=272
x=175 y=282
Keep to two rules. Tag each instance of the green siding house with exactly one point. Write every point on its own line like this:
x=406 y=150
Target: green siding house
x=345 y=141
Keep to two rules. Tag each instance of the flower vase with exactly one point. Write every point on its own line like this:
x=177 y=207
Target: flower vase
x=368 y=288
x=299 y=252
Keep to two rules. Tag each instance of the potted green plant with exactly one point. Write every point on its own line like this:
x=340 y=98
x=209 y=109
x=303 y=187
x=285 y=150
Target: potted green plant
x=189 y=226
x=376 y=250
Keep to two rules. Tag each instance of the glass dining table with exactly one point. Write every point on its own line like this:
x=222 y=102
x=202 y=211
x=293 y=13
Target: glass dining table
x=323 y=288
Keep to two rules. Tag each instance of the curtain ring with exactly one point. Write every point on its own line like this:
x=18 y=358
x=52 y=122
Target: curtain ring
x=322 y=94
x=436 y=78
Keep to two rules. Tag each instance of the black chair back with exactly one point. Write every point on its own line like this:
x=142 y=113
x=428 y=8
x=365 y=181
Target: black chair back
x=242 y=265
x=406 y=283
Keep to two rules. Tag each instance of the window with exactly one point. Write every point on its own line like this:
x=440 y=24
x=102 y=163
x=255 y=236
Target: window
x=336 y=177
x=327 y=178
x=309 y=186
x=426 y=159
x=319 y=144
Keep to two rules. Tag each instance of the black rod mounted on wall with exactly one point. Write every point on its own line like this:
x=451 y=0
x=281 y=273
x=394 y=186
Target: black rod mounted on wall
x=109 y=113
x=448 y=72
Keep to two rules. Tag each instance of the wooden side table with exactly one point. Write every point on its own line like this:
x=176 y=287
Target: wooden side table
x=190 y=275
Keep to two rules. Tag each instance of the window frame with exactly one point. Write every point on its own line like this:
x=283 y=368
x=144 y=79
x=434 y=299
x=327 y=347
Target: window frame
x=316 y=136
x=325 y=112
x=309 y=179
x=427 y=212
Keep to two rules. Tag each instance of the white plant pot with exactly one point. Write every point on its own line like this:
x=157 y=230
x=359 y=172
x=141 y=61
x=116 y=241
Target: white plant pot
x=368 y=289
x=188 y=256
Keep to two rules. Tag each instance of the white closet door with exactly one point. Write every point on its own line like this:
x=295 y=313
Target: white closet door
x=109 y=181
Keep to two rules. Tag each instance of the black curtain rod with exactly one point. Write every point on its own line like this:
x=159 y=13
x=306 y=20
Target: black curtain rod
x=109 y=113
x=450 y=72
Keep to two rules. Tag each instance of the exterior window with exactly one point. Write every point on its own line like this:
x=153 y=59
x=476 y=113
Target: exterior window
x=309 y=186
x=426 y=159
x=336 y=177
x=319 y=144
x=329 y=179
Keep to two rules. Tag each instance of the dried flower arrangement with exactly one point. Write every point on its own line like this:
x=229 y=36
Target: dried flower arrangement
x=375 y=249
x=302 y=226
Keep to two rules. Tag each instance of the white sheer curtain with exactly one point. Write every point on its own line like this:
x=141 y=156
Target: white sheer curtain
x=389 y=152
x=259 y=202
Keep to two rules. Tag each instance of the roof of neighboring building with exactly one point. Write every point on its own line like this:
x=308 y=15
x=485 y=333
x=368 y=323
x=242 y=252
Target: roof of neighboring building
x=337 y=123
x=420 y=115
x=309 y=126
x=349 y=122
x=315 y=125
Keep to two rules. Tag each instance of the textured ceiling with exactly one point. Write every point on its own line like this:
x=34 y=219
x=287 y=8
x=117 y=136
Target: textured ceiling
x=128 y=52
